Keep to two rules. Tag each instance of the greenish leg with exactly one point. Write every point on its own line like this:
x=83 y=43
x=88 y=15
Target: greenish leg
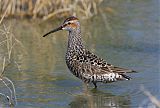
x=95 y=85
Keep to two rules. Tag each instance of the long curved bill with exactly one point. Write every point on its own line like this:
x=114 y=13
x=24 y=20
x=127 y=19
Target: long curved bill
x=55 y=30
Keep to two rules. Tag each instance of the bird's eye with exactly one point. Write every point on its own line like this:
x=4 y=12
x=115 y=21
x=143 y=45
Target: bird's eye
x=69 y=23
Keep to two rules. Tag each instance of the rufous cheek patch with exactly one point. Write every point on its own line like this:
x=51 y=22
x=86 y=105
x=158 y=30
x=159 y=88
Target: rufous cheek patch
x=73 y=25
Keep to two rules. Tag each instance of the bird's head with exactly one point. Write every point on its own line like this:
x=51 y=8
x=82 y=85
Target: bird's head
x=71 y=23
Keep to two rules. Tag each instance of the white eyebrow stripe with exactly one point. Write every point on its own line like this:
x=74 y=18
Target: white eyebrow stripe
x=72 y=21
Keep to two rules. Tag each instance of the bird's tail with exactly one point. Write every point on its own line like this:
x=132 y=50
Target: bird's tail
x=126 y=77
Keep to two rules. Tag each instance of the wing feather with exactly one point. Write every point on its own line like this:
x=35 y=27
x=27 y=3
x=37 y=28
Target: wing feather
x=90 y=67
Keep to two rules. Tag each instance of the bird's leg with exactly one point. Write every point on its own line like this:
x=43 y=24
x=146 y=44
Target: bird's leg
x=95 y=85
x=85 y=88
x=86 y=85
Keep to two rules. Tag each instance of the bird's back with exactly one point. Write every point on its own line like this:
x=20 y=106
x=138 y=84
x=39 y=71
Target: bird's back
x=90 y=68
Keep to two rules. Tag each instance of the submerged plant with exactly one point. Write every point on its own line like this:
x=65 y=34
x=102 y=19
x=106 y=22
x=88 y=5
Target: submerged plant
x=8 y=42
x=9 y=85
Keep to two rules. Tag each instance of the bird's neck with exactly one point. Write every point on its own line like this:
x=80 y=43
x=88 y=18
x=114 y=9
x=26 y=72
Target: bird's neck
x=75 y=43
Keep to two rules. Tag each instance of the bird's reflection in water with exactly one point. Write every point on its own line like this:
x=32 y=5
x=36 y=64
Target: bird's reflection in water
x=98 y=99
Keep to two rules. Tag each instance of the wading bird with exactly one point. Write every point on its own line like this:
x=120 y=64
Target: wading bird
x=82 y=63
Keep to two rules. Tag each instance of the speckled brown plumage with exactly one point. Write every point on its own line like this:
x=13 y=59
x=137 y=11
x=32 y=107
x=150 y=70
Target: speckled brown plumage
x=82 y=63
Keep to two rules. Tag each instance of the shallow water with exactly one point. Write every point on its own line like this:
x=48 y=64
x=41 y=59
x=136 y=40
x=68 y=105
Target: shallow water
x=127 y=36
